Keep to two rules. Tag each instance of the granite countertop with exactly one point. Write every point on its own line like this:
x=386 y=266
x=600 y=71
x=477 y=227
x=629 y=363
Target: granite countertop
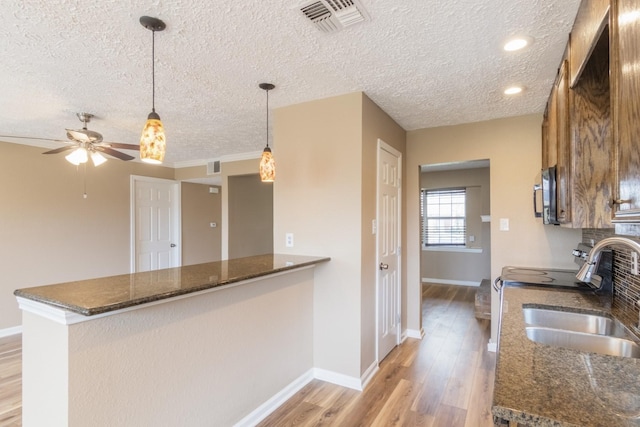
x=95 y=296
x=540 y=385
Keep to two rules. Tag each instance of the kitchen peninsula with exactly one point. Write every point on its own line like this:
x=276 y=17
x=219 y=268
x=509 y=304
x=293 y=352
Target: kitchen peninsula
x=196 y=345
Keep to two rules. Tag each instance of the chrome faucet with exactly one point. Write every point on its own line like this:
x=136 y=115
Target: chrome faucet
x=587 y=269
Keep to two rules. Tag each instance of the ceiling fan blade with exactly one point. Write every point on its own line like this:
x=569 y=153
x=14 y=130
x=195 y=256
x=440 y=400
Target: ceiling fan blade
x=60 y=150
x=114 y=153
x=119 y=145
x=31 y=137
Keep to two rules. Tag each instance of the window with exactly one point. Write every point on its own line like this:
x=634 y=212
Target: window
x=443 y=217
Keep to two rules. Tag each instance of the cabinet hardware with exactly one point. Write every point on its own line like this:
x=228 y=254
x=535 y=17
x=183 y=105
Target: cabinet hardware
x=619 y=202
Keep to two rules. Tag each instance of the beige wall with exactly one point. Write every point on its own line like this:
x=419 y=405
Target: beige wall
x=250 y=204
x=200 y=242
x=229 y=169
x=376 y=124
x=191 y=172
x=317 y=197
x=513 y=146
x=325 y=194
x=49 y=232
x=460 y=266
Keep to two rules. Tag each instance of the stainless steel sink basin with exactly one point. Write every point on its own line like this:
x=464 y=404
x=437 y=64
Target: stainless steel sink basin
x=602 y=344
x=570 y=321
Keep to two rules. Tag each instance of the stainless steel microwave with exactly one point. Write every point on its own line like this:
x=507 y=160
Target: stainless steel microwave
x=549 y=198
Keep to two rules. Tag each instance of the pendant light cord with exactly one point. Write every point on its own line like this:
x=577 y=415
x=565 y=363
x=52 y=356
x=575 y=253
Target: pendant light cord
x=153 y=71
x=267 y=133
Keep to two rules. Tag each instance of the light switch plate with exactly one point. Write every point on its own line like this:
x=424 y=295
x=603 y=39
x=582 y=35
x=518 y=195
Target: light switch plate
x=504 y=224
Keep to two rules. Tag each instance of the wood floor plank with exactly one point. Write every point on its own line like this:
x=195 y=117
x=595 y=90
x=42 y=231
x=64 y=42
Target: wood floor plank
x=434 y=385
x=395 y=411
x=459 y=387
x=479 y=407
x=304 y=415
x=11 y=381
x=450 y=416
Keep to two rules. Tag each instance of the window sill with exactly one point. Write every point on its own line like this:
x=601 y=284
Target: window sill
x=452 y=249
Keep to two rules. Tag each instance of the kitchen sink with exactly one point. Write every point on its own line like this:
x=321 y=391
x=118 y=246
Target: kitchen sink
x=570 y=321
x=602 y=344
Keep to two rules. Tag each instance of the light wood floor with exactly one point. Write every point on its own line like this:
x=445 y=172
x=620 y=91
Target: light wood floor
x=445 y=379
x=11 y=381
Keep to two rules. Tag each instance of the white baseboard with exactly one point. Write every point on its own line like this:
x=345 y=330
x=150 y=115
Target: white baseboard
x=10 y=331
x=492 y=346
x=413 y=333
x=264 y=410
x=369 y=374
x=338 y=379
x=451 y=282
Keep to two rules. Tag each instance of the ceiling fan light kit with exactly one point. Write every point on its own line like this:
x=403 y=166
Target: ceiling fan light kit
x=97 y=158
x=152 y=142
x=77 y=156
x=267 y=162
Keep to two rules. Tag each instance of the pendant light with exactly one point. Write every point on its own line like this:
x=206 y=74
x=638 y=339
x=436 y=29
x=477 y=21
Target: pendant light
x=152 y=142
x=267 y=162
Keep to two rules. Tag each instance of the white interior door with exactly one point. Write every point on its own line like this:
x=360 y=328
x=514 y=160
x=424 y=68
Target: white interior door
x=155 y=224
x=388 y=252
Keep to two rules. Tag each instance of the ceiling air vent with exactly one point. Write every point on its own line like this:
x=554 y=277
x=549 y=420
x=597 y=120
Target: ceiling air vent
x=330 y=16
x=213 y=168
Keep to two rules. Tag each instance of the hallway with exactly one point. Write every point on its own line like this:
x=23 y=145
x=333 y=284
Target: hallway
x=445 y=379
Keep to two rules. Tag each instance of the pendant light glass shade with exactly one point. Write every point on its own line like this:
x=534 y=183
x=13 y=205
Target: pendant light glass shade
x=77 y=156
x=267 y=162
x=152 y=142
x=267 y=166
x=97 y=158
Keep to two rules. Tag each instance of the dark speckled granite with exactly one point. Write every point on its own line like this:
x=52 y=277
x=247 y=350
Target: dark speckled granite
x=95 y=296
x=540 y=385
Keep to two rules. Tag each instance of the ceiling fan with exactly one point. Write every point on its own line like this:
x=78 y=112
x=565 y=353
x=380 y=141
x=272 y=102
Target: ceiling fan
x=85 y=143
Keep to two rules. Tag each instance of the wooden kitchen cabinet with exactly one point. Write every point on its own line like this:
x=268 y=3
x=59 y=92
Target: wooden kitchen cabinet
x=550 y=131
x=564 y=147
x=545 y=137
x=589 y=24
x=556 y=147
x=625 y=72
x=590 y=185
x=591 y=126
x=577 y=130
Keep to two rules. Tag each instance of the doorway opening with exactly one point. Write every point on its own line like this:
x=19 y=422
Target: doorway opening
x=455 y=223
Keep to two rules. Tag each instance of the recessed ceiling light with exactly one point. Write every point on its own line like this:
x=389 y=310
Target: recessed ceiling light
x=513 y=90
x=517 y=43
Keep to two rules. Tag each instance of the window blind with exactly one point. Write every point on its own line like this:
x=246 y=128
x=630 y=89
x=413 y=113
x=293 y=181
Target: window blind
x=443 y=217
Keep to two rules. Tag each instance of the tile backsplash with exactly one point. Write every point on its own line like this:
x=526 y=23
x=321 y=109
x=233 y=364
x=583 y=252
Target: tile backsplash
x=626 y=287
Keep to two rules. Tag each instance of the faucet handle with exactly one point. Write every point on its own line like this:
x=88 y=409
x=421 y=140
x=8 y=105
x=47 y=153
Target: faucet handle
x=579 y=253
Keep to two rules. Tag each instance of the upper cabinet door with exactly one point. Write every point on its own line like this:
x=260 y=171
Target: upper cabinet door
x=564 y=167
x=626 y=109
x=589 y=24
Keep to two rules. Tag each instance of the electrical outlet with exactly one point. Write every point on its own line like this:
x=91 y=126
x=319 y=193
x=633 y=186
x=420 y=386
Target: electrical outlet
x=288 y=240
x=634 y=263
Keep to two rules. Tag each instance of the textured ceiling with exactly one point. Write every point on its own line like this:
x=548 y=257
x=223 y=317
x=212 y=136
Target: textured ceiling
x=425 y=62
